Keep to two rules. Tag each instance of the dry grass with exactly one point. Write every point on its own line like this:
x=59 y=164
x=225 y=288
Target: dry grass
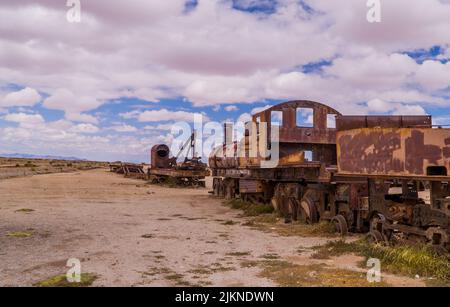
x=20 y=234
x=273 y=223
x=61 y=281
x=265 y=219
x=270 y=256
x=250 y=209
x=287 y=274
x=24 y=210
x=211 y=269
x=238 y=254
x=410 y=260
x=229 y=222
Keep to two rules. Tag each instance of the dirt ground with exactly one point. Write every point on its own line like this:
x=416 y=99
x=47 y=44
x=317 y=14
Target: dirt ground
x=20 y=167
x=130 y=233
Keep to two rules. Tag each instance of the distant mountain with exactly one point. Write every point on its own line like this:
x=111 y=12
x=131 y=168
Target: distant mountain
x=29 y=156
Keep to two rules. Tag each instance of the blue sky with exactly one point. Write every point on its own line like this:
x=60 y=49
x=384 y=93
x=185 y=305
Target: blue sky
x=109 y=87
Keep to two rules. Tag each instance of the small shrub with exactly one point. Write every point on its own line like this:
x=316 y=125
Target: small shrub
x=20 y=234
x=86 y=279
x=251 y=209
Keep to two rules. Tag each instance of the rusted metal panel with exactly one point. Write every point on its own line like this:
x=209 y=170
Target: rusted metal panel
x=401 y=152
x=349 y=122
x=290 y=133
x=251 y=186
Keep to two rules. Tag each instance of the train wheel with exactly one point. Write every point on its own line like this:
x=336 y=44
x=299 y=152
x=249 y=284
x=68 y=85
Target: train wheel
x=340 y=223
x=195 y=183
x=307 y=211
x=375 y=236
x=377 y=221
x=216 y=182
x=229 y=189
x=277 y=198
x=378 y=233
x=293 y=205
x=221 y=193
x=275 y=201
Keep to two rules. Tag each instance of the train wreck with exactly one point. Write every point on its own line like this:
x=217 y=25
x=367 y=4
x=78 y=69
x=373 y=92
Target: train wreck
x=387 y=176
x=190 y=172
x=163 y=168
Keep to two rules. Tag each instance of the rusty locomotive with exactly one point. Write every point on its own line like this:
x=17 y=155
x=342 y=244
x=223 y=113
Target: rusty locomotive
x=387 y=176
x=190 y=172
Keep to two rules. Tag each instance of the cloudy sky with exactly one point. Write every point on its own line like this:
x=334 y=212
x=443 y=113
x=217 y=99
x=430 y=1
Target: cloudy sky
x=109 y=87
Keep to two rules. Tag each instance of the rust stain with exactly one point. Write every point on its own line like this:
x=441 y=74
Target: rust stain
x=446 y=150
x=363 y=152
x=403 y=151
x=416 y=152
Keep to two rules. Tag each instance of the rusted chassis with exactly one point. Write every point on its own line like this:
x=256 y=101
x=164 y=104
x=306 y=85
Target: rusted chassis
x=181 y=177
x=382 y=175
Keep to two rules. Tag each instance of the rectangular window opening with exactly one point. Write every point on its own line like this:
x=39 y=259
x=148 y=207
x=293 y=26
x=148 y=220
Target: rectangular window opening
x=331 y=121
x=305 y=117
x=276 y=118
x=308 y=155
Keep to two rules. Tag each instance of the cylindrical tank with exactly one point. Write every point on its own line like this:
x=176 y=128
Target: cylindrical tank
x=224 y=156
x=160 y=156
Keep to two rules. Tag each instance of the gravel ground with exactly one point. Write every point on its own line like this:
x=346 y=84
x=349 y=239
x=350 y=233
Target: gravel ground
x=130 y=233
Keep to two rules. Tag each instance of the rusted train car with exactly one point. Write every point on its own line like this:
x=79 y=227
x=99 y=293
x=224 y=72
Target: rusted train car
x=405 y=165
x=385 y=175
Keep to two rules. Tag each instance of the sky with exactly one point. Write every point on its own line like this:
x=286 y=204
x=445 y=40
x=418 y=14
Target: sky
x=110 y=86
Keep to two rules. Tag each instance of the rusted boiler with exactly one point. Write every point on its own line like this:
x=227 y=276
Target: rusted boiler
x=160 y=156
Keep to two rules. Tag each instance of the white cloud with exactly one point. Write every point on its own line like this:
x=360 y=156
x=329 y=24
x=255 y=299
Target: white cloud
x=25 y=97
x=434 y=75
x=159 y=127
x=62 y=137
x=379 y=106
x=123 y=128
x=81 y=117
x=404 y=109
x=231 y=108
x=85 y=128
x=382 y=107
x=260 y=109
x=244 y=117
x=73 y=106
x=373 y=71
x=24 y=120
x=237 y=57
x=162 y=115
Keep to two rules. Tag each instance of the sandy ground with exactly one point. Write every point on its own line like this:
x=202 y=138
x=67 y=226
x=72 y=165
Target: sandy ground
x=100 y=217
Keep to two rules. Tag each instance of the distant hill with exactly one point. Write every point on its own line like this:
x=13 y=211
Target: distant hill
x=29 y=156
